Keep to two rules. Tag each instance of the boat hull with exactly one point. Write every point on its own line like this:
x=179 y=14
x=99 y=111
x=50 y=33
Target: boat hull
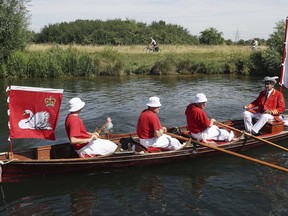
x=25 y=165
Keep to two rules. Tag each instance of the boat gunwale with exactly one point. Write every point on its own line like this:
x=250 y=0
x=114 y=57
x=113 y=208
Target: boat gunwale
x=127 y=155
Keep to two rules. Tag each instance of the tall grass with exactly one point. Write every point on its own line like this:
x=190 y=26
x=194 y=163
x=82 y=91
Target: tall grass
x=88 y=61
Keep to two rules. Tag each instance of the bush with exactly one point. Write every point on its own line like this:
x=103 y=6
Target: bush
x=164 y=67
x=265 y=63
x=17 y=64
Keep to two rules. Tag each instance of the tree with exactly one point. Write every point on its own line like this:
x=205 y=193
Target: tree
x=268 y=62
x=211 y=36
x=276 y=39
x=114 y=32
x=14 y=22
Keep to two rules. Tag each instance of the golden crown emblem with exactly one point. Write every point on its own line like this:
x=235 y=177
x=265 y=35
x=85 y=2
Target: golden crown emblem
x=50 y=101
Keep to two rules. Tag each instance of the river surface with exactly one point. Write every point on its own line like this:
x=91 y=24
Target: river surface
x=220 y=185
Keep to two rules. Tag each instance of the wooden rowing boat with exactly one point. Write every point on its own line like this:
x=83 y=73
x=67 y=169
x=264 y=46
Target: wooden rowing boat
x=62 y=159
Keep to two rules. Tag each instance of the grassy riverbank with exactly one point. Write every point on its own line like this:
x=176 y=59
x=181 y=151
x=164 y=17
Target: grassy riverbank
x=64 y=61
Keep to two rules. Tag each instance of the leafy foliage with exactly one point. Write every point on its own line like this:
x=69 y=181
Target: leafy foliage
x=114 y=32
x=277 y=37
x=14 y=21
x=268 y=62
x=211 y=36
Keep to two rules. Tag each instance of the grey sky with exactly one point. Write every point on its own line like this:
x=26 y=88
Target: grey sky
x=236 y=19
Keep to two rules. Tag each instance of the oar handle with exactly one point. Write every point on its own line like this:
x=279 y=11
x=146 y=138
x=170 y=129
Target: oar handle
x=177 y=136
x=250 y=135
x=231 y=153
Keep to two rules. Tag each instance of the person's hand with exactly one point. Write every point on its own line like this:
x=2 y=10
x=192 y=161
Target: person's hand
x=164 y=129
x=245 y=107
x=94 y=136
x=268 y=112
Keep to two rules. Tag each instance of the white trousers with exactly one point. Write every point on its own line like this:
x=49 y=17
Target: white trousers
x=97 y=147
x=214 y=133
x=164 y=141
x=262 y=119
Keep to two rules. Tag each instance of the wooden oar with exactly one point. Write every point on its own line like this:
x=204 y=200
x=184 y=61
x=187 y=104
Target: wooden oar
x=250 y=135
x=231 y=153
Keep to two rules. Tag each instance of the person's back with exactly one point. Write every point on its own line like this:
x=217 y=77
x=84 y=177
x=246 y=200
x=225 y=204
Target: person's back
x=197 y=121
x=84 y=142
x=150 y=131
x=148 y=122
x=200 y=126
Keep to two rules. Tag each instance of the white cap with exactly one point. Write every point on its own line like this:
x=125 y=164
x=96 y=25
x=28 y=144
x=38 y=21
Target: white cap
x=200 y=98
x=154 y=102
x=76 y=104
x=271 y=79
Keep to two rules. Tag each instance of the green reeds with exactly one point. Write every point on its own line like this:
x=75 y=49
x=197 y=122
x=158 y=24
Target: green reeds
x=59 y=61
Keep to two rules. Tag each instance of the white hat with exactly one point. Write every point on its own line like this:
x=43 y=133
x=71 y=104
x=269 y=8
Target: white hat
x=154 y=102
x=271 y=79
x=200 y=98
x=76 y=104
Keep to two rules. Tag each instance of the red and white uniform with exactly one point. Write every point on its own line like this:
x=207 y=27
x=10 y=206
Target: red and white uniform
x=275 y=103
x=148 y=123
x=199 y=125
x=75 y=128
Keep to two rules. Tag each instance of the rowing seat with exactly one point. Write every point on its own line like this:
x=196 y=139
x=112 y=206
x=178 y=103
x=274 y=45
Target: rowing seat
x=87 y=156
x=272 y=126
x=43 y=152
x=156 y=149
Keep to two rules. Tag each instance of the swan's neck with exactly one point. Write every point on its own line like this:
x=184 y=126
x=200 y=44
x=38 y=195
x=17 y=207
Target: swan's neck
x=30 y=116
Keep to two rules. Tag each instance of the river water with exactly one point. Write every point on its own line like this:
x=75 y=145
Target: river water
x=220 y=185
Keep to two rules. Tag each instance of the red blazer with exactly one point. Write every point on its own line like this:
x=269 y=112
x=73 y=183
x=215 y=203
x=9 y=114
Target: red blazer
x=274 y=103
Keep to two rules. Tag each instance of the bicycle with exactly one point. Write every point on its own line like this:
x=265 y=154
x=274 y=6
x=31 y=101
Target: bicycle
x=255 y=48
x=150 y=48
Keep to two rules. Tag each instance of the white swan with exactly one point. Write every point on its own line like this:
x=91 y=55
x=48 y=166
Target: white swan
x=37 y=121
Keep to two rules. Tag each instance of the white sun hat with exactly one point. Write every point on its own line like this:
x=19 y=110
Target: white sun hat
x=200 y=98
x=76 y=104
x=154 y=102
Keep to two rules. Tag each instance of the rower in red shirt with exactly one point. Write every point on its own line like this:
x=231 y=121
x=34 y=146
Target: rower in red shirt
x=150 y=130
x=86 y=144
x=200 y=126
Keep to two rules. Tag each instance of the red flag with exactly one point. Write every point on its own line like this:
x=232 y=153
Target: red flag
x=34 y=112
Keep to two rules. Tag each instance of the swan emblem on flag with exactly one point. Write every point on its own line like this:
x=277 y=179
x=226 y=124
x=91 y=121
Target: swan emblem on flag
x=37 y=121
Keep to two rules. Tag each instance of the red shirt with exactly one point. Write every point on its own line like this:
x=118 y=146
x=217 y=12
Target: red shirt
x=197 y=119
x=75 y=128
x=148 y=123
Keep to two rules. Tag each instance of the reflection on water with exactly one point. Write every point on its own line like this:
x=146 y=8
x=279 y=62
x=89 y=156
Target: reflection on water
x=123 y=98
x=218 y=186
x=210 y=186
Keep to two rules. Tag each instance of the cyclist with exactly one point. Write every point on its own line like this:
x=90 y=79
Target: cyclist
x=255 y=44
x=153 y=43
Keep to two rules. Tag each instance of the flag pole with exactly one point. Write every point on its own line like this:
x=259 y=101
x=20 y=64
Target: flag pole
x=11 y=156
x=282 y=75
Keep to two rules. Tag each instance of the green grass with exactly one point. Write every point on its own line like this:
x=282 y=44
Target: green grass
x=89 y=61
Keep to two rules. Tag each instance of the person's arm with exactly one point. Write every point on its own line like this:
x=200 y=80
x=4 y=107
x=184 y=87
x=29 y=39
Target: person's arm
x=212 y=120
x=256 y=102
x=279 y=106
x=159 y=132
x=74 y=140
x=94 y=133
